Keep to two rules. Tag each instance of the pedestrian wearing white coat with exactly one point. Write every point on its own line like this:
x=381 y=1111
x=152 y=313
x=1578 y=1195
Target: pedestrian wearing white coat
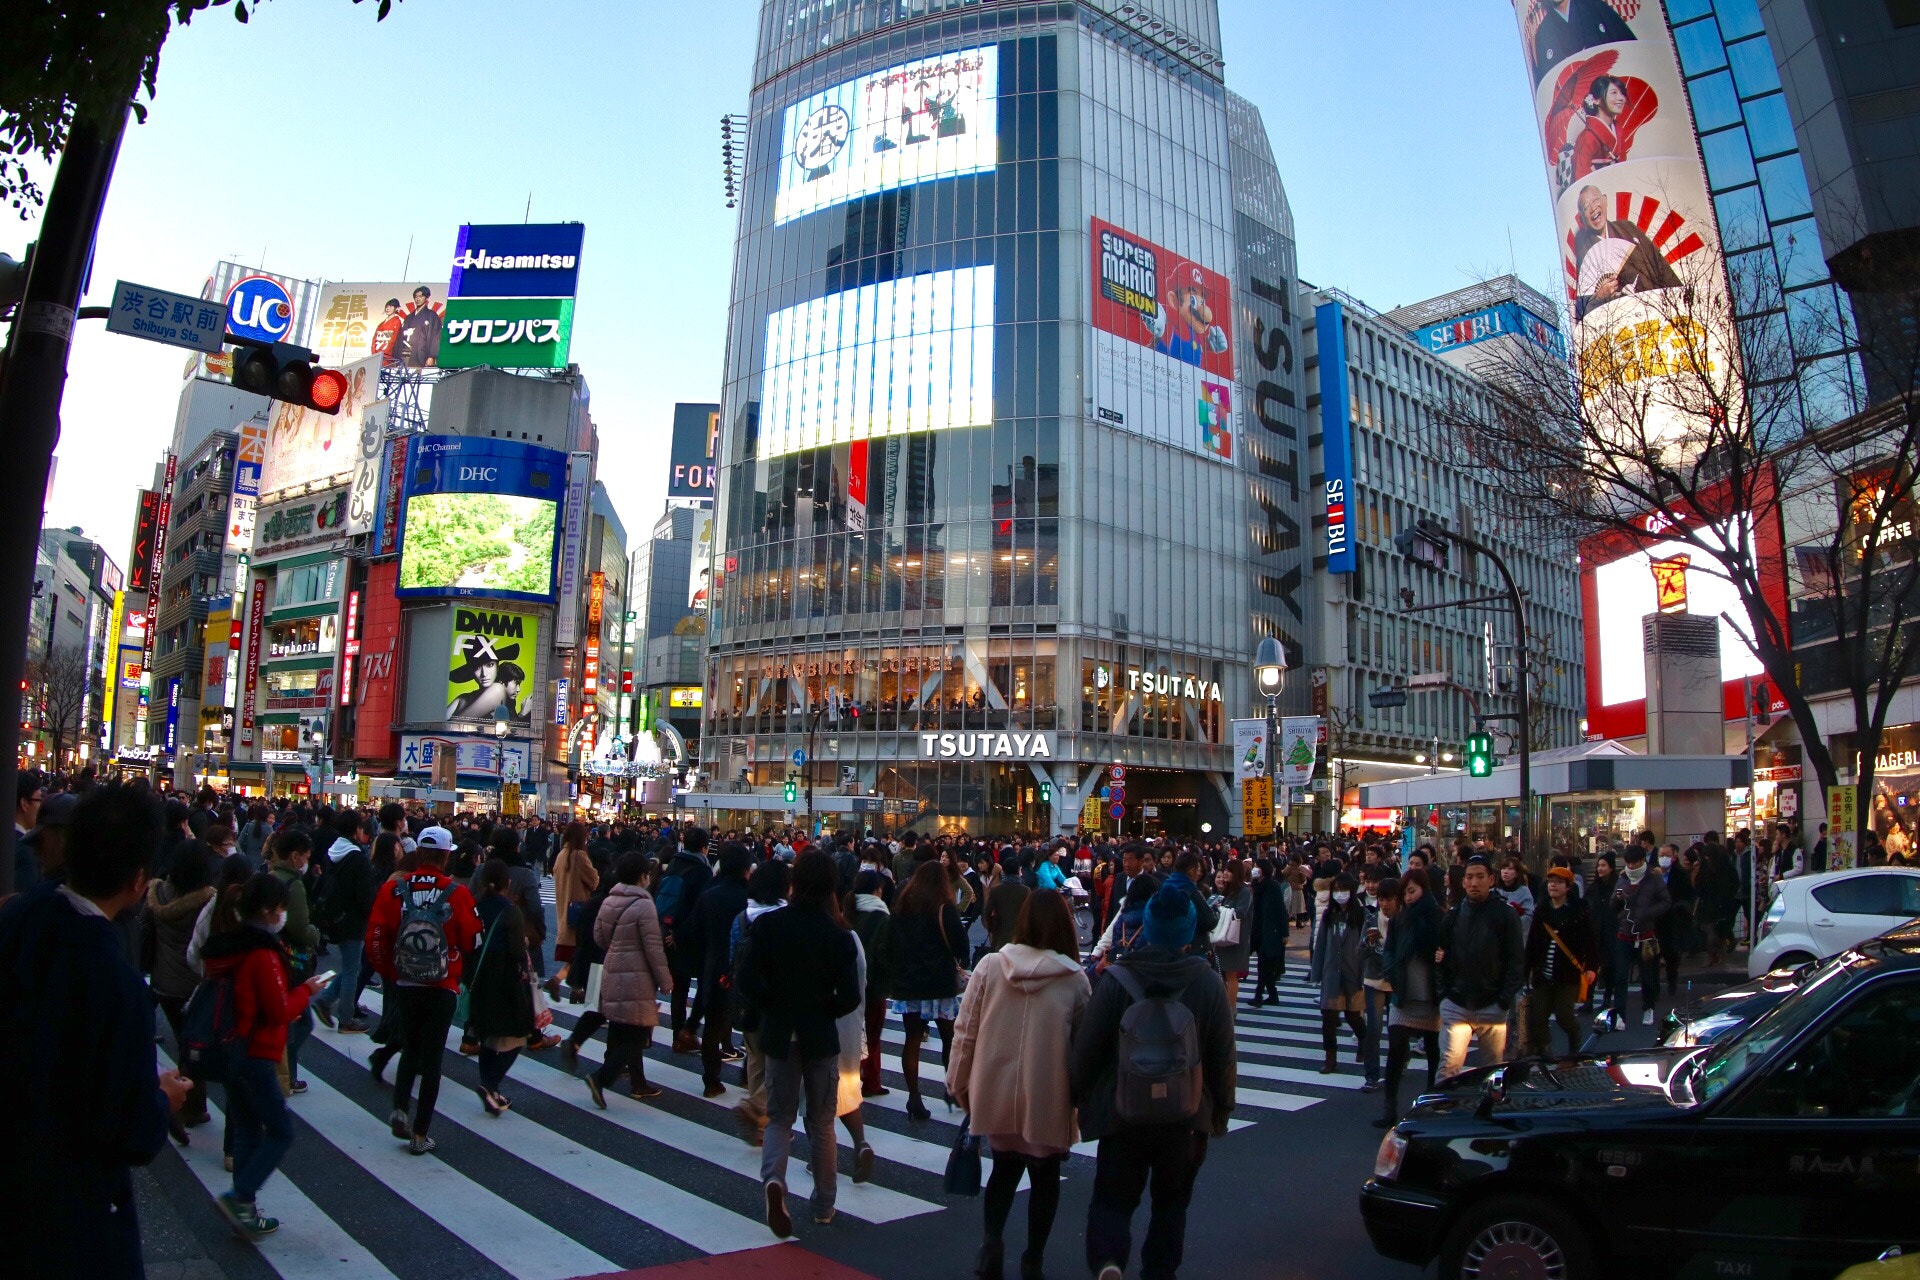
x=1008 y=1070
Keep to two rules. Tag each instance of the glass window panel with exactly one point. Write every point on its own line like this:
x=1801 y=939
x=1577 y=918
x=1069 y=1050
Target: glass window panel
x=1769 y=127
x=1715 y=105
x=1797 y=245
x=1699 y=46
x=1784 y=180
x=1729 y=161
x=1754 y=69
x=1739 y=18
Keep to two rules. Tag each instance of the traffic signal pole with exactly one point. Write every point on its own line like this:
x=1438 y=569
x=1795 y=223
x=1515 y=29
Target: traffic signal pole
x=32 y=383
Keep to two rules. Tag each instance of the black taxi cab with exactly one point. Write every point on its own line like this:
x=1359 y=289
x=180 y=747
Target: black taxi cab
x=1789 y=1150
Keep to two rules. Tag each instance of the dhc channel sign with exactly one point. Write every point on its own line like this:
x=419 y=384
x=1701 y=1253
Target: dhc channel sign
x=259 y=307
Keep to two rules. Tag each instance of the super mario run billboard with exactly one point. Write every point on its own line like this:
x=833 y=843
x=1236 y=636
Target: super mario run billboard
x=1162 y=347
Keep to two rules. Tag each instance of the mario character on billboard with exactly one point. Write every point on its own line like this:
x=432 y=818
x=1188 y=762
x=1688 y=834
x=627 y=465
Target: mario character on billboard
x=1183 y=327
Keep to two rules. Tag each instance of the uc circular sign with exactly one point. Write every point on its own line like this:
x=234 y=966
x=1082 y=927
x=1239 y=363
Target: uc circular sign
x=258 y=307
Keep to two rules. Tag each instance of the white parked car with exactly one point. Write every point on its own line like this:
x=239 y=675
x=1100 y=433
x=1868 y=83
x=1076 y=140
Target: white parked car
x=1813 y=917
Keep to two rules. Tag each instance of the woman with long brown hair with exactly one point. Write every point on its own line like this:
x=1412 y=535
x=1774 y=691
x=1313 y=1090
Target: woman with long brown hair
x=929 y=944
x=574 y=880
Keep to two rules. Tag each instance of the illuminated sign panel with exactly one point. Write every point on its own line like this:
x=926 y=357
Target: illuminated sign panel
x=914 y=354
x=932 y=118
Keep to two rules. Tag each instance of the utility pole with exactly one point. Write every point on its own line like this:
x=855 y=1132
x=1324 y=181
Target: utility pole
x=31 y=385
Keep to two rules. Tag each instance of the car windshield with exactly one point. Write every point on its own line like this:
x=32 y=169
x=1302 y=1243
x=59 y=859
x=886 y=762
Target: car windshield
x=1730 y=1059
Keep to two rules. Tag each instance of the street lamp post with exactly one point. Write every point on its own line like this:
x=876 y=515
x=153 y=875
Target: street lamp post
x=1269 y=676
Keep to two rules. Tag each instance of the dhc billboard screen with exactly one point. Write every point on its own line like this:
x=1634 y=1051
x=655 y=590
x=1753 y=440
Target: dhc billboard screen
x=480 y=518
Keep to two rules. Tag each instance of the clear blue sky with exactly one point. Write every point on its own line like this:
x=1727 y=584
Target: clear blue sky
x=1402 y=128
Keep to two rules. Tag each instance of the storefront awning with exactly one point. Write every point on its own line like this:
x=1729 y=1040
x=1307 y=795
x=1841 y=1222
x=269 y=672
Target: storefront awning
x=1593 y=766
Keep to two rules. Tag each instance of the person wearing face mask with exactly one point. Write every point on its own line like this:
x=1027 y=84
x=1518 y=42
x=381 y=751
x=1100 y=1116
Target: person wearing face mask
x=287 y=855
x=1338 y=968
x=252 y=956
x=1640 y=901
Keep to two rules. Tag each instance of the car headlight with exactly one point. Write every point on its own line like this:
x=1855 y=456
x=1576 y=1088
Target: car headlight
x=1392 y=1153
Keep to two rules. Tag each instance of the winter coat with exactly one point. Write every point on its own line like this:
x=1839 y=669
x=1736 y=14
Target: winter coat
x=1638 y=908
x=1011 y=1047
x=172 y=918
x=299 y=936
x=1204 y=918
x=1408 y=957
x=636 y=973
x=83 y=1087
x=500 y=991
x=1602 y=910
x=252 y=840
x=692 y=871
x=1575 y=928
x=265 y=997
x=1270 y=925
x=347 y=891
x=1235 y=959
x=874 y=924
x=1520 y=901
x=704 y=937
x=927 y=951
x=574 y=880
x=462 y=928
x=1093 y=1066
x=1484 y=964
x=851 y=1027
x=523 y=890
x=800 y=975
x=1338 y=957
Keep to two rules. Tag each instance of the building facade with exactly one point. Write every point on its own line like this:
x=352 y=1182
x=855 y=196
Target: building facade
x=68 y=699
x=983 y=521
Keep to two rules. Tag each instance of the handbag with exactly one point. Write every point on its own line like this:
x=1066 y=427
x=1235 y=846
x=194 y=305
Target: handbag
x=963 y=1163
x=962 y=975
x=1587 y=975
x=542 y=1011
x=1226 y=929
x=595 y=972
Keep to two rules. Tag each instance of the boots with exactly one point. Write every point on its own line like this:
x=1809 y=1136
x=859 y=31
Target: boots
x=1327 y=1067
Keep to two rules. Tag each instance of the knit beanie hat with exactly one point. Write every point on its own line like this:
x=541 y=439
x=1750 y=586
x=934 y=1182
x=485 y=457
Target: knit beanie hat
x=1170 y=917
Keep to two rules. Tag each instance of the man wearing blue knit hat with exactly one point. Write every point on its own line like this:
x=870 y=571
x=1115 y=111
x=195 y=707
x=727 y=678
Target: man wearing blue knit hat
x=1152 y=1071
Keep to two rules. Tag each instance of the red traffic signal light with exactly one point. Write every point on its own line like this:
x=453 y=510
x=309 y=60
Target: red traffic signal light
x=283 y=372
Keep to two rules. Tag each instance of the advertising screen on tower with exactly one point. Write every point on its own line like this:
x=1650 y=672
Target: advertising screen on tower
x=1639 y=246
x=517 y=260
x=1162 y=350
x=931 y=118
x=914 y=354
x=480 y=518
x=491 y=676
x=696 y=442
x=305 y=446
x=400 y=322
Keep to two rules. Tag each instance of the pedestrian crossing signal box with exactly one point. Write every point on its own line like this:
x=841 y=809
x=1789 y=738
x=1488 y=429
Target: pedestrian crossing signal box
x=1479 y=753
x=1046 y=793
x=792 y=791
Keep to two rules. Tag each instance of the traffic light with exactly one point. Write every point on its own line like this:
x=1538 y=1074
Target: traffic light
x=1424 y=542
x=285 y=372
x=792 y=792
x=1046 y=793
x=1479 y=755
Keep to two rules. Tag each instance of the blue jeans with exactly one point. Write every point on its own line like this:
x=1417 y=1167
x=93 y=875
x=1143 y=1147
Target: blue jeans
x=347 y=981
x=1626 y=959
x=1376 y=1019
x=259 y=1123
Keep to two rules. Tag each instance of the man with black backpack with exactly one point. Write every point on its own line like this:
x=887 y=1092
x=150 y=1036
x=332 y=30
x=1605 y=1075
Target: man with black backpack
x=421 y=930
x=680 y=886
x=346 y=900
x=1152 y=1075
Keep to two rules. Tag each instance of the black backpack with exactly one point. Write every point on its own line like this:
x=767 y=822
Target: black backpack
x=210 y=1031
x=1157 y=1076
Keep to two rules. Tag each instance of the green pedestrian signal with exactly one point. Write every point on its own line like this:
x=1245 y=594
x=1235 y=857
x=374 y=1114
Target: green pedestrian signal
x=1046 y=793
x=1479 y=753
x=792 y=792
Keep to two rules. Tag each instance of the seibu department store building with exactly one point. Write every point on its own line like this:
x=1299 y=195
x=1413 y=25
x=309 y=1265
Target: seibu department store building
x=1014 y=465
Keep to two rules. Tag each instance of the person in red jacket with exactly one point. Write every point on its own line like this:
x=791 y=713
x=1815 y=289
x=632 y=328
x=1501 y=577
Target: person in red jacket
x=422 y=928
x=252 y=957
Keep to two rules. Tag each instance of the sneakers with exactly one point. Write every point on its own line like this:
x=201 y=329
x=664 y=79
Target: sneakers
x=297 y=1087
x=420 y=1145
x=863 y=1163
x=244 y=1218
x=1370 y=1086
x=644 y=1092
x=352 y=1027
x=544 y=1042
x=323 y=1010
x=468 y=1048
x=599 y=1094
x=400 y=1126
x=714 y=1090
x=1646 y=1018
x=779 y=1221
x=731 y=1054
x=826 y=1220
x=1111 y=1271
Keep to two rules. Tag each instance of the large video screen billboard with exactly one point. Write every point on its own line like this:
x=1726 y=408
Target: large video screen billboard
x=399 y=321
x=931 y=118
x=696 y=441
x=914 y=354
x=1162 y=350
x=1623 y=579
x=480 y=518
x=305 y=446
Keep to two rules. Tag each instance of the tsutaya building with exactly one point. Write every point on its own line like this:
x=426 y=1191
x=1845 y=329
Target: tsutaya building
x=1014 y=458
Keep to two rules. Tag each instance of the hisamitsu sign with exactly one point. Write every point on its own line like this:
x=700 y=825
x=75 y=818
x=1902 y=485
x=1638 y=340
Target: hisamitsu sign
x=173 y=318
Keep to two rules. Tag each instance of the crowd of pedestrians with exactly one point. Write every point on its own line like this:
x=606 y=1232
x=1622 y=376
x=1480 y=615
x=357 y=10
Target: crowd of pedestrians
x=1079 y=992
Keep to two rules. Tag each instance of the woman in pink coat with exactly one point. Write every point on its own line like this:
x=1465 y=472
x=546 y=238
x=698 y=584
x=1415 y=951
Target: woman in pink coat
x=1017 y=1020
x=635 y=974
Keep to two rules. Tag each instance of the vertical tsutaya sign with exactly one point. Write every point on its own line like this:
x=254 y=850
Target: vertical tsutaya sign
x=572 y=548
x=1249 y=750
x=1273 y=434
x=1640 y=246
x=1336 y=442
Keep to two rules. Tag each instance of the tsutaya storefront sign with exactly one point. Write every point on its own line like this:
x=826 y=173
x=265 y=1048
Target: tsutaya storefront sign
x=1173 y=685
x=986 y=746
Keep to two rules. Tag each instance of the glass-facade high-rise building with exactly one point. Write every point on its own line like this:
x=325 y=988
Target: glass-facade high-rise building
x=1014 y=456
